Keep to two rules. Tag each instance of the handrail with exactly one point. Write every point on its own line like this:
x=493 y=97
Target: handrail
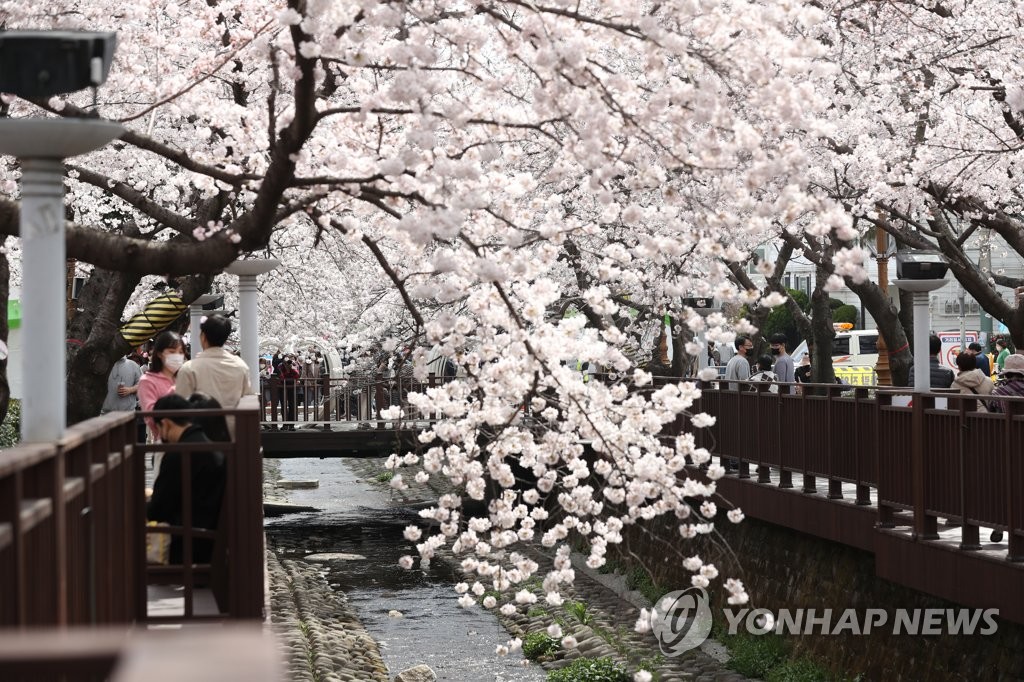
x=357 y=397
x=72 y=516
x=121 y=655
x=955 y=461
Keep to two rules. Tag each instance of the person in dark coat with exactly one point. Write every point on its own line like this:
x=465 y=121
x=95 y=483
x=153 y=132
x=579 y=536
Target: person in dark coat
x=980 y=359
x=288 y=374
x=938 y=376
x=207 y=473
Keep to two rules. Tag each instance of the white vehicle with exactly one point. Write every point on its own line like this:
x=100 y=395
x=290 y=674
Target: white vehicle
x=854 y=355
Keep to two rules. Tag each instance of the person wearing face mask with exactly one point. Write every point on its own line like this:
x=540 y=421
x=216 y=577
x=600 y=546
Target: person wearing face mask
x=784 y=368
x=738 y=368
x=166 y=359
x=207 y=474
x=122 y=386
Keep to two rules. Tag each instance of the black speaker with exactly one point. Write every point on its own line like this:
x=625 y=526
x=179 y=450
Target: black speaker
x=921 y=265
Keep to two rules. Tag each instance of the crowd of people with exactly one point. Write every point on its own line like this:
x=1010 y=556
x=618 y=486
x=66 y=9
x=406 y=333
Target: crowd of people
x=973 y=376
x=212 y=379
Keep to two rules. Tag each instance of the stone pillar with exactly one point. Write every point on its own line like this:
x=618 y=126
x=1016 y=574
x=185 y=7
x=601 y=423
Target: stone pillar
x=922 y=323
x=195 y=319
x=922 y=327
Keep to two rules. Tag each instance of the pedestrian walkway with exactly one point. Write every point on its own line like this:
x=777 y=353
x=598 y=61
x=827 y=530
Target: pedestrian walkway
x=949 y=534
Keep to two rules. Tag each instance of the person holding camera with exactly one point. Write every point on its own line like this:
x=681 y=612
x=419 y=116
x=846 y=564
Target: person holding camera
x=288 y=373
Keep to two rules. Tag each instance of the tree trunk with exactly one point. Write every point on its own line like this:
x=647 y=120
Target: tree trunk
x=890 y=325
x=683 y=365
x=822 y=332
x=94 y=342
x=1015 y=325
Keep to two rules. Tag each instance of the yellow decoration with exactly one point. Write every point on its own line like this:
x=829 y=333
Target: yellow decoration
x=157 y=316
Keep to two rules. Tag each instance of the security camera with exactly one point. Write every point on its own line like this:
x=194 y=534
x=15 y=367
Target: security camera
x=46 y=63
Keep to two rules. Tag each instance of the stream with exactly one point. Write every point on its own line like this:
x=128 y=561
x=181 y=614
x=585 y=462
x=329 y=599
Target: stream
x=359 y=527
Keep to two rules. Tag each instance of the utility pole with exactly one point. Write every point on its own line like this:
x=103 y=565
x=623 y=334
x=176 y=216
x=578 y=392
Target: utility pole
x=985 y=265
x=882 y=254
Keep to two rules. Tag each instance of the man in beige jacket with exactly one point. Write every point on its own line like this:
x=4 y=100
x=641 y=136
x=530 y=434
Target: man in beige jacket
x=215 y=371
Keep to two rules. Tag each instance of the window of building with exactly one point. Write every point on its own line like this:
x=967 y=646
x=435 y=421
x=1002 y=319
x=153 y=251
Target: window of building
x=803 y=284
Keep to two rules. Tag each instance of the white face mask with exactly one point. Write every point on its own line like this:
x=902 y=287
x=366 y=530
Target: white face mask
x=174 y=361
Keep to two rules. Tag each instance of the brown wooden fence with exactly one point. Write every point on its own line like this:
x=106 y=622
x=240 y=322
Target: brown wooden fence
x=72 y=526
x=916 y=464
x=954 y=463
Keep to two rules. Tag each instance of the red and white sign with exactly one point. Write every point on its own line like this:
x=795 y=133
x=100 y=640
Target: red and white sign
x=951 y=347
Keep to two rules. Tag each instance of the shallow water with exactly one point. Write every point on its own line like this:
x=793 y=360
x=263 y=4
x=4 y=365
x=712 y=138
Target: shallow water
x=356 y=518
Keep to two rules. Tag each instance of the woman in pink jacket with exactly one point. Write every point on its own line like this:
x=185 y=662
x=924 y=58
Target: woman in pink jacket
x=166 y=359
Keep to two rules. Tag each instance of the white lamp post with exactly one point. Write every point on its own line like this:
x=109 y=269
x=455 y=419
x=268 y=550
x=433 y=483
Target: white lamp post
x=920 y=273
x=40 y=64
x=42 y=145
x=248 y=309
x=703 y=307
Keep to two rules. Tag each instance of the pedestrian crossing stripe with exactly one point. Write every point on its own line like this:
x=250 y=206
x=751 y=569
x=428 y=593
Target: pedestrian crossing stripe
x=154 y=318
x=856 y=375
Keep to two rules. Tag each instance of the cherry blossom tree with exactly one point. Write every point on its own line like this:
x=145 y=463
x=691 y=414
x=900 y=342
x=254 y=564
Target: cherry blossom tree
x=930 y=98
x=492 y=160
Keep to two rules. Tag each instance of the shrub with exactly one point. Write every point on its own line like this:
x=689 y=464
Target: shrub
x=590 y=670
x=385 y=476
x=539 y=644
x=845 y=313
x=755 y=655
x=10 y=430
x=579 y=611
x=640 y=580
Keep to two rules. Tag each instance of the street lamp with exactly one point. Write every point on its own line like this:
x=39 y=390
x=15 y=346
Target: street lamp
x=248 y=310
x=703 y=307
x=40 y=64
x=921 y=272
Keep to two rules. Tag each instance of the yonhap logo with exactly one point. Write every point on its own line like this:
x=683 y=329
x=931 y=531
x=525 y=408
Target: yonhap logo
x=681 y=620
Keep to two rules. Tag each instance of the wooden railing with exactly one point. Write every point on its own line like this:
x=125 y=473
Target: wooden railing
x=72 y=526
x=230 y=652
x=954 y=463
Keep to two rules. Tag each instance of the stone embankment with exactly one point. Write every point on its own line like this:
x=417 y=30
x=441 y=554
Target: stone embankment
x=321 y=636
